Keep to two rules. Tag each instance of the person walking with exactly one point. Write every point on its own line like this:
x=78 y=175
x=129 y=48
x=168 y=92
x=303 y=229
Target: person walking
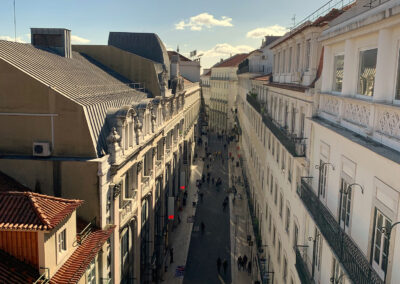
x=219 y=264
x=244 y=261
x=202 y=227
x=171 y=255
x=225 y=265
x=249 y=267
x=239 y=262
x=201 y=197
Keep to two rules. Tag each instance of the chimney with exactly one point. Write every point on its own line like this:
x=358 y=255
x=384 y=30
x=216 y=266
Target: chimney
x=54 y=40
x=174 y=66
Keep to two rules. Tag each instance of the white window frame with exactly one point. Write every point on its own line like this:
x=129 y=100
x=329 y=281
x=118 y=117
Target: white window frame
x=91 y=275
x=334 y=70
x=61 y=243
x=357 y=74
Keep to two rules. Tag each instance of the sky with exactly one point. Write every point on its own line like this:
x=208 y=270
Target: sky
x=215 y=28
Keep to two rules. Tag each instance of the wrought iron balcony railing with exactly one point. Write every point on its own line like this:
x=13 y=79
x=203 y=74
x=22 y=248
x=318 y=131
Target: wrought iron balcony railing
x=294 y=145
x=302 y=270
x=353 y=260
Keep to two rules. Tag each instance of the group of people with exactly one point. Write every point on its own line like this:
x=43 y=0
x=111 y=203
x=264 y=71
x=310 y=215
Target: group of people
x=223 y=263
x=243 y=264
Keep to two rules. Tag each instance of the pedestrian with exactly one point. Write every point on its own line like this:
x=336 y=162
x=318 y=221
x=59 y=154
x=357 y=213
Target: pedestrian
x=249 y=267
x=244 y=261
x=218 y=264
x=225 y=265
x=171 y=255
x=239 y=262
x=224 y=206
x=203 y=227
x=201 y=196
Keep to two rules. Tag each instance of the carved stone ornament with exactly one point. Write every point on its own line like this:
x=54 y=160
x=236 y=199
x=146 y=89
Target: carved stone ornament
x=114 y=137
x=154 y=151
x=116 y=190
x=139 y=167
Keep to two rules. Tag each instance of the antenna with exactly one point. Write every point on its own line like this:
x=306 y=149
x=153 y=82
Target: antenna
x=15 y=25
x=294 y=20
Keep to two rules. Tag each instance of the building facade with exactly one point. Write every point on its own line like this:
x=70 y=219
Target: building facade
x=100 y=123
x=319 y=148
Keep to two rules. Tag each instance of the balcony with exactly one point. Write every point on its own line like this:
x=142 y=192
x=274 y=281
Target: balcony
x=126 y=211
x=158 y=167
x=378 y=121
x=294 y=145
x=353 y=260
x=302 y=270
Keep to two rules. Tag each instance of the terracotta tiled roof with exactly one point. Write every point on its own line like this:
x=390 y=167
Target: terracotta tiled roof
x=73 y=269
x=14 y=271
x=232 y=61
x=287 y=86
x=181 y=57
x=208 y=73
x=33 y=211
x=262 y=78
x=9 y=184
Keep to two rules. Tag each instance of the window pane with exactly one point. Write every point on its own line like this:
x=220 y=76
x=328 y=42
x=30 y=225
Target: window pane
x=367 y=72
x=338 y=73
x=397 y=96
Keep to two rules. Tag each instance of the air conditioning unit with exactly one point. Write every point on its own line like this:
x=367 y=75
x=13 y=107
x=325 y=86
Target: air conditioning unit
x=41 y=149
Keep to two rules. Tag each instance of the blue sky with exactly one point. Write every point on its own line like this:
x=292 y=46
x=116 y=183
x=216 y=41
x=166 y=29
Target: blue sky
x=216 y=28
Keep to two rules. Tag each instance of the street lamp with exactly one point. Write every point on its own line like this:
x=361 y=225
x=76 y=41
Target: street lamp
x=388 y=232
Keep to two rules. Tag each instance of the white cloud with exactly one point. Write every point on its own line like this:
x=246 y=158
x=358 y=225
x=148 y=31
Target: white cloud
x=78 y=40
x=197 y=23
x=221 y=50
x=9 y=38
x=275 y=30
x=225 y=49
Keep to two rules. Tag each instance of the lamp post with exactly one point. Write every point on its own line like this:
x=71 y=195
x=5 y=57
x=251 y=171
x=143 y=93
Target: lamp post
x=388 y=232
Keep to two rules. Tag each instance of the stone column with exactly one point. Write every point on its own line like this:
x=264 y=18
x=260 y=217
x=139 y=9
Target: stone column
x=327 y=70
x=383 y=90
x=349 y=86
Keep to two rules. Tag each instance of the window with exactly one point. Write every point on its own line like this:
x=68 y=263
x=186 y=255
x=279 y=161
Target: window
x=277 y=152
x=290 y=169
x=62 y=241
x=298 y=57
x=279 y=62
x=295 y=234
x=276 y=194
x=285 y=121
x=272 y=184
x=273 y=147
x=283 y=159
x=308 y=54
x=284 y=272
x=397 y=95
x=279 y=251
x=322 y=179
x=318 y=249
x=274 y=236
x=366 y=74
x=381 y=242
x=283 y=61
x=281 y=205
x=290 y=60
x=269 y=223
x=345 y=204
x=336 y=272
x=287 y=225
x=91 y=273
x=338 y=64
x=293 y=119
x=302 y=119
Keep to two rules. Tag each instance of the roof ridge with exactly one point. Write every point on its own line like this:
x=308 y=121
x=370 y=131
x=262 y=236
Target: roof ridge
x=38 y=210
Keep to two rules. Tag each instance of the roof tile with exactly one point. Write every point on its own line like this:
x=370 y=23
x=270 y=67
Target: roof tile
x=33 y=211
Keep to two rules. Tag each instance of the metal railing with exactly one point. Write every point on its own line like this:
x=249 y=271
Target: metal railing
x=294 y=145
x=86 y=231
x=323 y=10
x=353 y=260
x=302 y=270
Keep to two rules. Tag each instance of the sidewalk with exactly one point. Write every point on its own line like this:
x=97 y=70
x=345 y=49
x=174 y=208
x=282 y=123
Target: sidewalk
x=180 y=237
x=240 y=223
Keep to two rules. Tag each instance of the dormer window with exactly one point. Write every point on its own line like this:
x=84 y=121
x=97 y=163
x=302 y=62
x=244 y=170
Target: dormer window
x=62 y=241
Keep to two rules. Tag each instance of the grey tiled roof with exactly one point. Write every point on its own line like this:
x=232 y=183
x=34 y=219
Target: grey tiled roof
x=77 y=78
